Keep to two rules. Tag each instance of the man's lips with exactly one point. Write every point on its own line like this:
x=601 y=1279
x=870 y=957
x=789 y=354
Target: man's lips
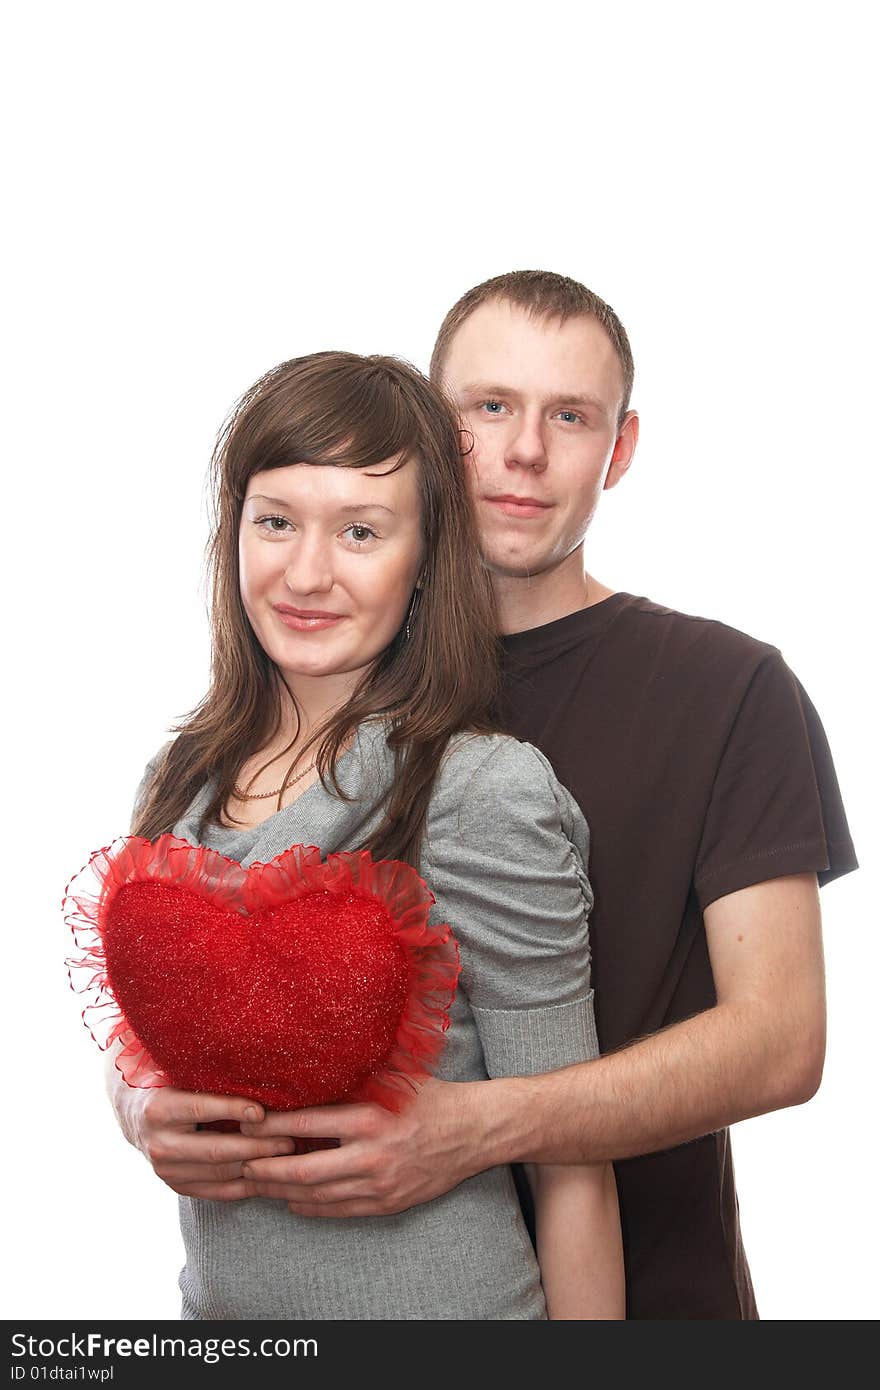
x=306 y=619
x=513 y=505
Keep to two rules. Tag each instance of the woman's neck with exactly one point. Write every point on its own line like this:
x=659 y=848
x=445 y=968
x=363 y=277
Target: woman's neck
x=309 y=702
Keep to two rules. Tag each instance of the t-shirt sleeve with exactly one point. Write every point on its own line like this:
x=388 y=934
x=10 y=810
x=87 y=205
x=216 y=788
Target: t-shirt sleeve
x=505 y=855
x=775 y=806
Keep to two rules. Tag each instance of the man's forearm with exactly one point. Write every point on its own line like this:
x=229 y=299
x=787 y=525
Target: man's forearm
x=691 y=1079
x=760 y=1048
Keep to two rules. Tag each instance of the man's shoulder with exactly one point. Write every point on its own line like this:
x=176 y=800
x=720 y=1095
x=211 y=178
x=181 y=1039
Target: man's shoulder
x=670 y=635
x=692 y=628
x=627 y=642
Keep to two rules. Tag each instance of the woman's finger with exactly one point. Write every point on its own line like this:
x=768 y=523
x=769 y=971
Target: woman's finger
x=235 y=1191
x=212 y=1148
x=179 y=1175
x=168 y=1105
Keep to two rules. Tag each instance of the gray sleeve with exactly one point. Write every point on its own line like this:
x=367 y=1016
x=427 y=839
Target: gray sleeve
x=505 y=856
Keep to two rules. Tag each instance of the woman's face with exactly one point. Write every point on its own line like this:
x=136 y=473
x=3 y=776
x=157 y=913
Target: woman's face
x=328 y=560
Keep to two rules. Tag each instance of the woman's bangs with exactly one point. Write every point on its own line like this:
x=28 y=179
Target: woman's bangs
x=354 y=421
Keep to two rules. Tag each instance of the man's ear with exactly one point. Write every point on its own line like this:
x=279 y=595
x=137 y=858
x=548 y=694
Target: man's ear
x=624 y=448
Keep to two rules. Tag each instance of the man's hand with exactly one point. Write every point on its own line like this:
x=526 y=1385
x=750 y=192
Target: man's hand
x=385 y=1163
x=162 y=1122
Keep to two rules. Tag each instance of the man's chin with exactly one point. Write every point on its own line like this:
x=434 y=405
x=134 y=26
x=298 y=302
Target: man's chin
x=508 y=567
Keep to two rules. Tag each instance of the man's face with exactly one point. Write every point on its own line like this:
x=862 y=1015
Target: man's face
x=542 y=402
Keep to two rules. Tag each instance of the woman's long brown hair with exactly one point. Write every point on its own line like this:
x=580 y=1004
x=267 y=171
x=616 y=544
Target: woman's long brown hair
x=354 y=412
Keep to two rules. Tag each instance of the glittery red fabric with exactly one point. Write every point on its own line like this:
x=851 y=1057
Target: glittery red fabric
x=297 y=982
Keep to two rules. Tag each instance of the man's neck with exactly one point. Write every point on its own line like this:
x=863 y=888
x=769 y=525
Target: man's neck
x=524 y=603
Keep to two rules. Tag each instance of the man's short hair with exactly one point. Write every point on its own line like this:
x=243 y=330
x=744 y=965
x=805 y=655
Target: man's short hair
x=543 y=294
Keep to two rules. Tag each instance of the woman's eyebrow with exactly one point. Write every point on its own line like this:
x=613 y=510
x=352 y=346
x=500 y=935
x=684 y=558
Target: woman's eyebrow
x=273 y=501
x=354 y=505
x=357 y=506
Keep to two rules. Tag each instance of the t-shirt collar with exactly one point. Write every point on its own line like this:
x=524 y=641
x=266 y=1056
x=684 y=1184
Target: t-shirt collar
x=552 y=638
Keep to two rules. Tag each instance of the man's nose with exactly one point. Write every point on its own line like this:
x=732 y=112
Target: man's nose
x=309 y=567
x=526 y=447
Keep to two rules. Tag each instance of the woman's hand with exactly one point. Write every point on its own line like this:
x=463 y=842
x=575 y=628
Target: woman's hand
x=384 y=1162
x=163 y=1123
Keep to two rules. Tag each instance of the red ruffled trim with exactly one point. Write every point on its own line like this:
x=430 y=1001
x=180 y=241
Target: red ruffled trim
x=431 y=951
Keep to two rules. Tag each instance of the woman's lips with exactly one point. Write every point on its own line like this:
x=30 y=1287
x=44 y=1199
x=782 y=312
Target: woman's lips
x=307 y=620
x=511 y=505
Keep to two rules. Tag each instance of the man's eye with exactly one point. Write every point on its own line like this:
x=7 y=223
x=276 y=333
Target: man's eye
x=492 y=407
x=570 y=417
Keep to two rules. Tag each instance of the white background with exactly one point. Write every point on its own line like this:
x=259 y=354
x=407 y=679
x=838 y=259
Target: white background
x=201 y=190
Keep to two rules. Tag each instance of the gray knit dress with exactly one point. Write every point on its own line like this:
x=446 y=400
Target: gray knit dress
x=504 y=855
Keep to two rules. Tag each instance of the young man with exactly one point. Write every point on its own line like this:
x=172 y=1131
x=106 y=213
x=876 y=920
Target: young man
x=714 y=812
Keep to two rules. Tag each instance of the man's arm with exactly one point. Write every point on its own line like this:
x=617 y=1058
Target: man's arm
x=760 y=1048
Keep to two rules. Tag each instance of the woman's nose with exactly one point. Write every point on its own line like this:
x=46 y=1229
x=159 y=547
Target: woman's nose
x=309 y=568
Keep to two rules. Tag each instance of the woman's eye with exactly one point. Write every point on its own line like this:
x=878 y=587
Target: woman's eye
x=275 y=526
x=491 y=407
x=360 y=534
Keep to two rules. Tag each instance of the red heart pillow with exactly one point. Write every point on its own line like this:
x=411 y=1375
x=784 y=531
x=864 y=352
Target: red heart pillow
x=297 y=982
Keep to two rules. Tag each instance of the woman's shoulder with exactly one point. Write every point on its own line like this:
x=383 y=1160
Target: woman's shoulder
x=149 y=773
x=492 y=759
x=488 y=780
x=155 y=763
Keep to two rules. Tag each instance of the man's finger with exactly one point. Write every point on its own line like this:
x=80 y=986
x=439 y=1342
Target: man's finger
x=318 y=1168
x=333 y=1196
x=320 y=1122
x=352 y=1208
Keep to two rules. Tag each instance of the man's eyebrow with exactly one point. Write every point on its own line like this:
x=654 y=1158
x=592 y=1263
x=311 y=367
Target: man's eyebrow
x=352 y=506
x=486 y=388
x=586 y=401
x=491 y=390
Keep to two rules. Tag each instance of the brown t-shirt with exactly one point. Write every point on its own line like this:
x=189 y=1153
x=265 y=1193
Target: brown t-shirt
x=701 y=768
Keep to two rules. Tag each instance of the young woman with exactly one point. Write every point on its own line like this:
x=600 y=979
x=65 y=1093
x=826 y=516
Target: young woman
x=350 y=707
